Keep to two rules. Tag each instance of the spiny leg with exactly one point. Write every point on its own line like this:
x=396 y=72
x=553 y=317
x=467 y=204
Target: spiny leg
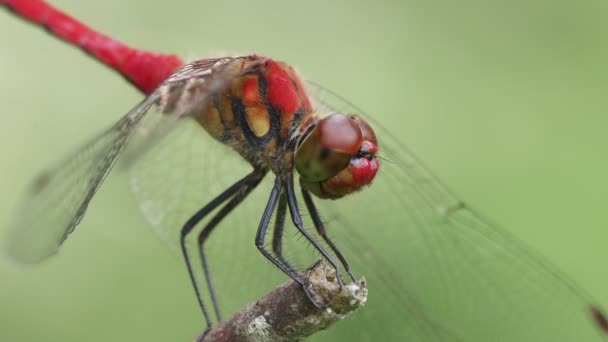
x=297 y=221
x=206 y=232
x=195 y=219
x=279 y=226
x=316 y=219
x=261 y=235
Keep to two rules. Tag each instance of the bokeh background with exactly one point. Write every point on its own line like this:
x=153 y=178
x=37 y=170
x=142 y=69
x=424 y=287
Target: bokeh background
x=505 y=101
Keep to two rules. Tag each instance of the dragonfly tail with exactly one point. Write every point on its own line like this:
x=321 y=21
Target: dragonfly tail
x=144 y=69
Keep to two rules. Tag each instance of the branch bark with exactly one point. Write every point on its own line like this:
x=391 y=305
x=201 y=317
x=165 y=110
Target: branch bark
x=286 y=314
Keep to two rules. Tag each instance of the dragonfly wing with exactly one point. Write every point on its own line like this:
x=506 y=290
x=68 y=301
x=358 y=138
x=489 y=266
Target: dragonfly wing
x=175 y=165
x=58 y=199
x=179 y=174
x=441 y=264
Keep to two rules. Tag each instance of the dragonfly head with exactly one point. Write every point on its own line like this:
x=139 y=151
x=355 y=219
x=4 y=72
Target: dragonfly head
x=337 y=156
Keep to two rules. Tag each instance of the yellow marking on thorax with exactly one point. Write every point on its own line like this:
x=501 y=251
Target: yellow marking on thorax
x=258 y=119
x=256 y=114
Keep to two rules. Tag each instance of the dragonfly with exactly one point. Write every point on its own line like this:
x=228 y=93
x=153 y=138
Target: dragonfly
x=177 y=143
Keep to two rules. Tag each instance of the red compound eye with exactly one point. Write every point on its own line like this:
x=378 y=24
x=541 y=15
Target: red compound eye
x=340 y=134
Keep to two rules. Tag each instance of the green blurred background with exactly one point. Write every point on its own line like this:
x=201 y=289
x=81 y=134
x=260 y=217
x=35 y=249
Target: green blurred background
x=505 y=101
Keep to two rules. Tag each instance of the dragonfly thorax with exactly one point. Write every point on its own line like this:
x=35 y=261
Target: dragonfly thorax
x=337 y=156
x=257 y=110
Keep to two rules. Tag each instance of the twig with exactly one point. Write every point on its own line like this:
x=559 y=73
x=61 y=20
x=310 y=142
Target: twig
x=286 y=314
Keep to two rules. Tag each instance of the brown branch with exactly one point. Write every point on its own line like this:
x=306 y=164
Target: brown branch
x=286 y=314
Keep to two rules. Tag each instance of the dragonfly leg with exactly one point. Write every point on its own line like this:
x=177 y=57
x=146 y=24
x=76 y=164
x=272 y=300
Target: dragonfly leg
x=297 y=221
x=248 y=186
x=261 y=235
x=277 y=236
x=201 y=337
x=199 y=215
x=316 y=219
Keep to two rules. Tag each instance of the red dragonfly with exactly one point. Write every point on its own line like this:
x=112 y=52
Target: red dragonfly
x=261 y=109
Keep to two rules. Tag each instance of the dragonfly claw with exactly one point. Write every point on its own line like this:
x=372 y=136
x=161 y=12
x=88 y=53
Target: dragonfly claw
x=201 y=337
x=311 y=297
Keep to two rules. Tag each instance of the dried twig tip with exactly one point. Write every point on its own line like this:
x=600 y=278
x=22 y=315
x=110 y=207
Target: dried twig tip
x=286 y=314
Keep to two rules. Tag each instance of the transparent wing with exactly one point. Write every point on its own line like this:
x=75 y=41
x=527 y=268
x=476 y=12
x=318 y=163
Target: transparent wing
x=58 y=199
x=437 y=263
x=175 y=165
x=180 y=174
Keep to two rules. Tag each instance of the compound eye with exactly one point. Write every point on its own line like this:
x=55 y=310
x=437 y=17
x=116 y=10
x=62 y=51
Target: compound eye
x=340 y=133
x=328 y=148
x=368 y=135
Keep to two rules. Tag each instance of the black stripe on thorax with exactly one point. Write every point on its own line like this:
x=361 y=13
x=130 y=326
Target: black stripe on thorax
x=226 y=136
x=262 y=86
x=239 y=111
